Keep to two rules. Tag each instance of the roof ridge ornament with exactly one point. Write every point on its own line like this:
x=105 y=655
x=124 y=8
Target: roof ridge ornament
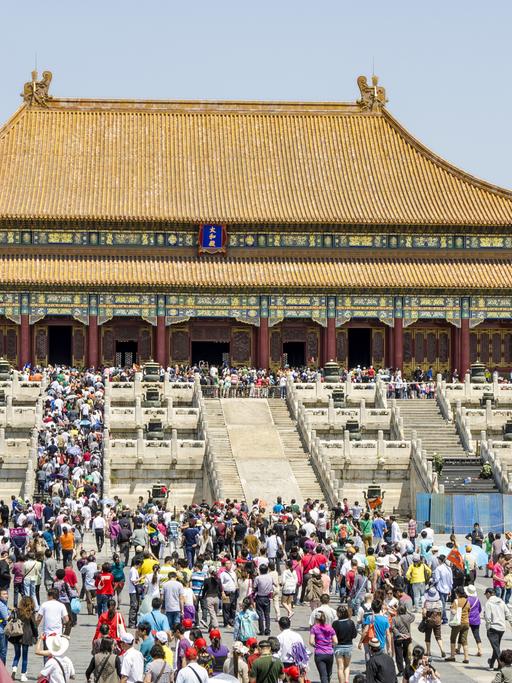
x=373 y=97
x=36 y=92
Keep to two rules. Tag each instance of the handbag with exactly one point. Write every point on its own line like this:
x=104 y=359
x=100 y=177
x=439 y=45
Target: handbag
x=75 y=605
x=456 y=617
x=422 y=626
x=14 y=627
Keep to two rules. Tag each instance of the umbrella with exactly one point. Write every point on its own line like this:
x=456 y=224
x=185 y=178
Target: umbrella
x=480 y=555
x=477 y=553
x=107 y=501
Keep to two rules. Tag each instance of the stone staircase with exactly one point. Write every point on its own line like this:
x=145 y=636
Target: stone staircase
x=294 y=450
x=461 y=475
x=436 y=434
x=439 y=436
x=221 y=448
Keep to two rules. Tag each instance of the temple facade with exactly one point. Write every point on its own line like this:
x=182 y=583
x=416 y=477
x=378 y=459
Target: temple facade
x=259 y=232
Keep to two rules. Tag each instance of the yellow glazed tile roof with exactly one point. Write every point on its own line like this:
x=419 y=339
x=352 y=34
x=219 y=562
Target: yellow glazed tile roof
x=231 y=162
x=202 y=273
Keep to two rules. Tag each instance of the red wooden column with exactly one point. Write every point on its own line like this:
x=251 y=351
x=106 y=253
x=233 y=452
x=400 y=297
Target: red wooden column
x=464 y=347
x=24 y=340
x=398 y=334
x=25 y=356
x=92 y=342
x=464 y=336
x=93 y=358
x=263 y=350
x=160 y=341
x=330 y=347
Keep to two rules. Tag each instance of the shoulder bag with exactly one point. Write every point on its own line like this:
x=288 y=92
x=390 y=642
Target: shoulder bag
x=14 y=627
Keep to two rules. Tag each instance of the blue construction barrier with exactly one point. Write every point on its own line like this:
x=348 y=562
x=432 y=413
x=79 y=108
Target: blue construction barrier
x=457 y=513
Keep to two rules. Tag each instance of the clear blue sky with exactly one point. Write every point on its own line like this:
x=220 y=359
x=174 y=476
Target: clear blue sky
x=446 y=65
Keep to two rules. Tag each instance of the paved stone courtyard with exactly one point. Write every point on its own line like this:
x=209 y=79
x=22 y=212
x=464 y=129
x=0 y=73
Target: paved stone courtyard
x=81 y=638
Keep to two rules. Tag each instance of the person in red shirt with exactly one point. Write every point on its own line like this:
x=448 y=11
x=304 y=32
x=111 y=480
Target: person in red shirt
x=114 y=620
x=70 y=576
x=104 y=587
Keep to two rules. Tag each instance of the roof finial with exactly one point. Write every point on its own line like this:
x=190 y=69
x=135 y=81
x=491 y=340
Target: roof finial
x=373 y=97
x=36 y=92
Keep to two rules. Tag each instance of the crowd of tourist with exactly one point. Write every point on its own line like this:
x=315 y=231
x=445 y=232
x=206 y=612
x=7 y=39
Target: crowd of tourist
x=227 y=589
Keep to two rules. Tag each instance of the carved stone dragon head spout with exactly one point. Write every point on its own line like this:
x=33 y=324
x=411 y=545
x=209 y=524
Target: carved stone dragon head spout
x=373 y=97
x=36 y=92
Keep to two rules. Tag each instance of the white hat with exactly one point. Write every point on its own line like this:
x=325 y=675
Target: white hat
x=161 y=636
x=127 y=638
x=239 y=647
x=57 y=644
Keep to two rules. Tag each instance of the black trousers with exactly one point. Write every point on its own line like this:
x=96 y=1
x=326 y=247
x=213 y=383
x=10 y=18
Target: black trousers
x=100 y=538
x=401 y=653
x=495 y=641
x=134 y=609
x=263 y=611
x=324 y=665
x=229 y=609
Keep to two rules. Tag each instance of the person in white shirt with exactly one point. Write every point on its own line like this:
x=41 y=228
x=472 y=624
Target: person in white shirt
x=429 y=531
x=58 y=668
x=98 y=526
x=133 y=581
x=132 y=661
x=52 y=614
x=193 y=672
x=287 y=639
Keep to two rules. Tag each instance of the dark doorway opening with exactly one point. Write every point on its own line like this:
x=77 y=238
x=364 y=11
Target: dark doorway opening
x=294 y=354
x=126 y=354
x=359 y=347
x=213 y=353
x=59 y=344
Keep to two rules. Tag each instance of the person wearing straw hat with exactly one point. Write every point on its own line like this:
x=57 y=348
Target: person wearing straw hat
x=58 y=668
x=380 y=668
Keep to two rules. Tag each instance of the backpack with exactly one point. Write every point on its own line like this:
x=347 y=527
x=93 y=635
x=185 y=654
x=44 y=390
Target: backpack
x=125 y=534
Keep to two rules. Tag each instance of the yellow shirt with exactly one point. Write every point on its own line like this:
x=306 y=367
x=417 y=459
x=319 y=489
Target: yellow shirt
x=418 y=574
x=147 y=566
x=168 y=655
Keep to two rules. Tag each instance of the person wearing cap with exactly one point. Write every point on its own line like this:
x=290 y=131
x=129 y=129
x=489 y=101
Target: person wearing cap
x=418 y=575
x=162 y=638
x=380 y=667
x=266 y=669
x=54 y=649
x=235 y=665
x=496 y=615
x=132 y=661
x=432 y=618
x=192 y=672
x=217 y=650
x=475 y=609
x=204 y=658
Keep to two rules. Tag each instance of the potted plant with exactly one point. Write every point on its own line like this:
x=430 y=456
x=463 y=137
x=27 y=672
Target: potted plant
x=486 y=471
x=437 y=463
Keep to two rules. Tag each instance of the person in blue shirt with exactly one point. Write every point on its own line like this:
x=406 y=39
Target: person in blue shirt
x=278 y=507
x=5 y=613
x=380 y=624
x=378 y=529
x=190 y=535
x=156 y=619
x=146 y=641
x=48 y=537
x=424 y=545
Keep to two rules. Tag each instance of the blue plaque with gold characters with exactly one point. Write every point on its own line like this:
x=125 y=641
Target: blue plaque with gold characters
x=212 y=238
